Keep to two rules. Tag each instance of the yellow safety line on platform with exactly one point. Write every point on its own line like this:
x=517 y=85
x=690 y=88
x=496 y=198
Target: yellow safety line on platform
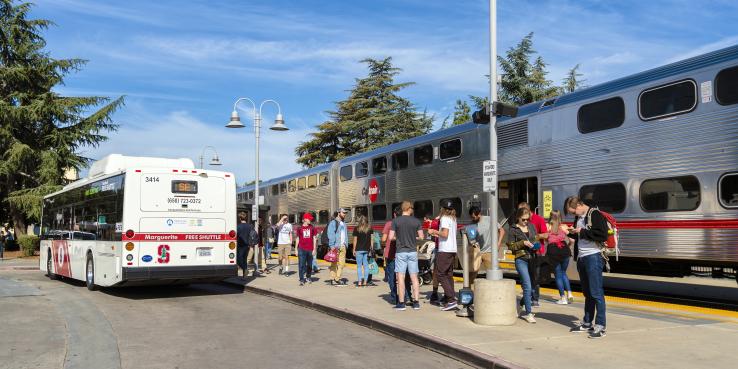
x=635 y=304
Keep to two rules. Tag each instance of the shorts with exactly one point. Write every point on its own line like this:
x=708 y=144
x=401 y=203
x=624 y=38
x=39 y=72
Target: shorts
x=284 y=250
x=406 y=262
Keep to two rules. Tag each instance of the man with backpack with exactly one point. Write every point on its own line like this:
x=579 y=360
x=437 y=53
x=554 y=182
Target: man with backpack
x=590 y=231
x=337 y=241
x=246 y=235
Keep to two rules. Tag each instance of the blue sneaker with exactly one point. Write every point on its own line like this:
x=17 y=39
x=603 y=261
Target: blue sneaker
x=400 y=306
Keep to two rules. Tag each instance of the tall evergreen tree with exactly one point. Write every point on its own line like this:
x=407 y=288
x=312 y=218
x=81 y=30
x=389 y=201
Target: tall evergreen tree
x=524 y=81
x=572 y=81
x=372 y=116
x=461 y=115
x=41 y=132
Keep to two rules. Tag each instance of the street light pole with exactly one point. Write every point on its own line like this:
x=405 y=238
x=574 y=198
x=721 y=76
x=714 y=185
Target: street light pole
x=495 y=274
x=214 y=161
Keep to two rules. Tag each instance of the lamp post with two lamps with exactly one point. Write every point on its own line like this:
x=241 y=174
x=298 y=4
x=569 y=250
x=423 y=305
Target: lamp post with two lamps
x=278 y=126
x=214 y=161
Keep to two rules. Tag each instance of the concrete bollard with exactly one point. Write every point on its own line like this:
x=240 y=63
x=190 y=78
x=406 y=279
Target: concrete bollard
x=494 y=302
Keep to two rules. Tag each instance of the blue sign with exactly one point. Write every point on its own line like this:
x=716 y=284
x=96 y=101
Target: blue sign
x=146 y=258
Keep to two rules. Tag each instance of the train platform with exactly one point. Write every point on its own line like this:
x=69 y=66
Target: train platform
x=639 y=333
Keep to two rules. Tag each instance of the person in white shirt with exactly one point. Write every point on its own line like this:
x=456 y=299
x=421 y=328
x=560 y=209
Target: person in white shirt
x=446 y=253
x=284 y=244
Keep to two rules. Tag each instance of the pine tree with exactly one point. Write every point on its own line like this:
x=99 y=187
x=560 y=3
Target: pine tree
x=372 y=116
x=524 y=82
x=462 y=113
x=41 y=132
x=572 y=81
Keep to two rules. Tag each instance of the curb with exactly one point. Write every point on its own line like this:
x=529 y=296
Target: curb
x=426 y=341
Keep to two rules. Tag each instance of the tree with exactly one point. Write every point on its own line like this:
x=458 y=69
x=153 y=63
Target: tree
x=572 y=81
x=41 y=132
x=372 y=116
x=462 y=114
x=524 y=81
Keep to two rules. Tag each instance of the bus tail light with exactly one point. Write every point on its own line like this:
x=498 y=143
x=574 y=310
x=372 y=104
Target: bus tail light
x=232 y=234
x=232 y=245
x=129 y=257
x=231 y=255
x=130 y=233
x=129 y=246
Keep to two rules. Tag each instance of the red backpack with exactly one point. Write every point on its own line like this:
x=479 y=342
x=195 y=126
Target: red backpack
x=610 y=246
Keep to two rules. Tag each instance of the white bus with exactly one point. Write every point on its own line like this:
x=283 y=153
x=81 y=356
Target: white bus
x=137 y=220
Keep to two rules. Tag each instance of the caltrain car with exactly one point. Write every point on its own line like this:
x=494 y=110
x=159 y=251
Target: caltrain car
x=658 y=150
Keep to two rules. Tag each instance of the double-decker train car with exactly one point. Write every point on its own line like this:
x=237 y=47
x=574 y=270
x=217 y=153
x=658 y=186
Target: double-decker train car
x=658 y=150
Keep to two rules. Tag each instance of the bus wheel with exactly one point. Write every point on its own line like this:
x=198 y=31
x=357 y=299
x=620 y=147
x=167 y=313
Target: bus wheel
x=90 y=274
x=49 y=273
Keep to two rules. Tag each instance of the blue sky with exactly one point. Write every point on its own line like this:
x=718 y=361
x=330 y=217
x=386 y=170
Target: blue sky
x=182 y=64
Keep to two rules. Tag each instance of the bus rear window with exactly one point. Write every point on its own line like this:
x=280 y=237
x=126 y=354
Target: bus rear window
x=188 y=187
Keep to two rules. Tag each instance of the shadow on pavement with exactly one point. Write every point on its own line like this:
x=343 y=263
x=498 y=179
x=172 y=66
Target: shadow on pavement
x=563 y=319
x=173 y=291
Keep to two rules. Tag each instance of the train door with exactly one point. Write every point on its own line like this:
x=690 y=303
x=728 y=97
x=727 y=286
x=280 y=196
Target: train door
x=513 y=191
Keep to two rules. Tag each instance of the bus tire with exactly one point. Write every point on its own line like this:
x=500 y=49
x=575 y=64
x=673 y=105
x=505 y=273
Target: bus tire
x=90 y=273
x=49 y=272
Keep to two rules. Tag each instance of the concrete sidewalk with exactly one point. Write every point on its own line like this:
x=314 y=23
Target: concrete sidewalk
x=638 y=336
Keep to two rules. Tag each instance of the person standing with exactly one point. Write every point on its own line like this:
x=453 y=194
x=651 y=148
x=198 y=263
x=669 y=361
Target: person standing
x=519 y=242
x=536 y=257
x=447 y=248
x=244 y=232
x=406 y=230
x=306 y=234
x=337 y=240
x=362 y=241
x=270 y=239
x=2 y=244
x=483 y=257
x=558 y=252
x=390 y=249
x=284 y=244
x=589 y=232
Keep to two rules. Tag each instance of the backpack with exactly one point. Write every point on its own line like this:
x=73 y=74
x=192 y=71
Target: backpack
x=253 y=237
x=611 y=245
x=324 y=235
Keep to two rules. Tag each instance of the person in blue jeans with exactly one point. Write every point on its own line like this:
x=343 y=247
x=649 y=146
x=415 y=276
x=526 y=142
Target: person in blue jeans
x=558 y=253
x=519 y=242
x=362 y=241
x=589 y=232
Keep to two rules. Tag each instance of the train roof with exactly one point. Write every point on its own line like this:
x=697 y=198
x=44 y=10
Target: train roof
x=603 y=89
x=606 y=88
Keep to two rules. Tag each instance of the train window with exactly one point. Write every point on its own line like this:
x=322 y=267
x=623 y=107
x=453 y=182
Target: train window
x=301 y=183
x=726 y=86
x=323 y=217
x=379 y=212
x=456 y=202
x=423 y=155
x=275 y=190
x=346 y=173
x=291 y=218
x=250 y=195
x=609 y=197
x=601 y=115
x=348 y=215
x=323 y=178
x=361 y=210
x=728 y=190
x=313 y=181
x=672 y=99
x=423 y=208
x=362 y=169
x=283 y=187
x=292 y=185
x=398 y=206
x=670 y=194
x=379 y=165
x=399 y=160
x=450 y=149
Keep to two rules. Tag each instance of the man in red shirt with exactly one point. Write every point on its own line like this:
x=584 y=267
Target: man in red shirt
x=306 y=240
x=541 y=236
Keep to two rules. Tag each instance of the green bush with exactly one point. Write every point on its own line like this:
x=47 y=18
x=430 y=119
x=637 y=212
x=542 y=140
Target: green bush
x=29 y=244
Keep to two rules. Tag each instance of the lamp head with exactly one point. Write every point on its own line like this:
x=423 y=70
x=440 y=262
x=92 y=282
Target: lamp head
x=215 y=160
x=279 y=124
x=235 y=121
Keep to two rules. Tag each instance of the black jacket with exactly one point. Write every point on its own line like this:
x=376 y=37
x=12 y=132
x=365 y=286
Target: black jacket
x=597 y=233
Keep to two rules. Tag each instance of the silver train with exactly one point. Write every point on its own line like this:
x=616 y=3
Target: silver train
x=658 y=150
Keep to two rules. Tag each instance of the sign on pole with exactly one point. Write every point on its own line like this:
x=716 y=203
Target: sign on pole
x=547 y=203
x=489 y=176
x=254 y=212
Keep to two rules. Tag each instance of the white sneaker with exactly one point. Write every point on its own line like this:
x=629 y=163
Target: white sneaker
x=562 y=301
x=529 y=318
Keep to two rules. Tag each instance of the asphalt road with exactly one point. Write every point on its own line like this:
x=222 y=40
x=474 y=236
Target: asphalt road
x=60 y=324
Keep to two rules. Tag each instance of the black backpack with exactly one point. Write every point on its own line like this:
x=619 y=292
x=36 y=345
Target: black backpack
x=253 y=237
x=324 y=235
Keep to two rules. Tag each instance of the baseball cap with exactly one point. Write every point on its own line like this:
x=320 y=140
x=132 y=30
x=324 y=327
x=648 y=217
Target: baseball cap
x=448 y=204
x=308 y=216
x=342 y=210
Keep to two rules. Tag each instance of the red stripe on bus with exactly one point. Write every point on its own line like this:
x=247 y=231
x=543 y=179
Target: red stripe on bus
x=177 y=237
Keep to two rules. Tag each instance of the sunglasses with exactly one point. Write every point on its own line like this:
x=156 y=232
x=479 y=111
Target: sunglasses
x=525 y=219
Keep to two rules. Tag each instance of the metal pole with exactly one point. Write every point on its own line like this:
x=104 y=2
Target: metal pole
x=495 y=273
x=257 y=128
x=465 y=259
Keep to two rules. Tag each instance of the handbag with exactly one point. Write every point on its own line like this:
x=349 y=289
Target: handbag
x=373 y=267
x=331 y=256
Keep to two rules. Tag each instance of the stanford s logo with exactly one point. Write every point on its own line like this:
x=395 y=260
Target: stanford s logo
x=163 y=253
